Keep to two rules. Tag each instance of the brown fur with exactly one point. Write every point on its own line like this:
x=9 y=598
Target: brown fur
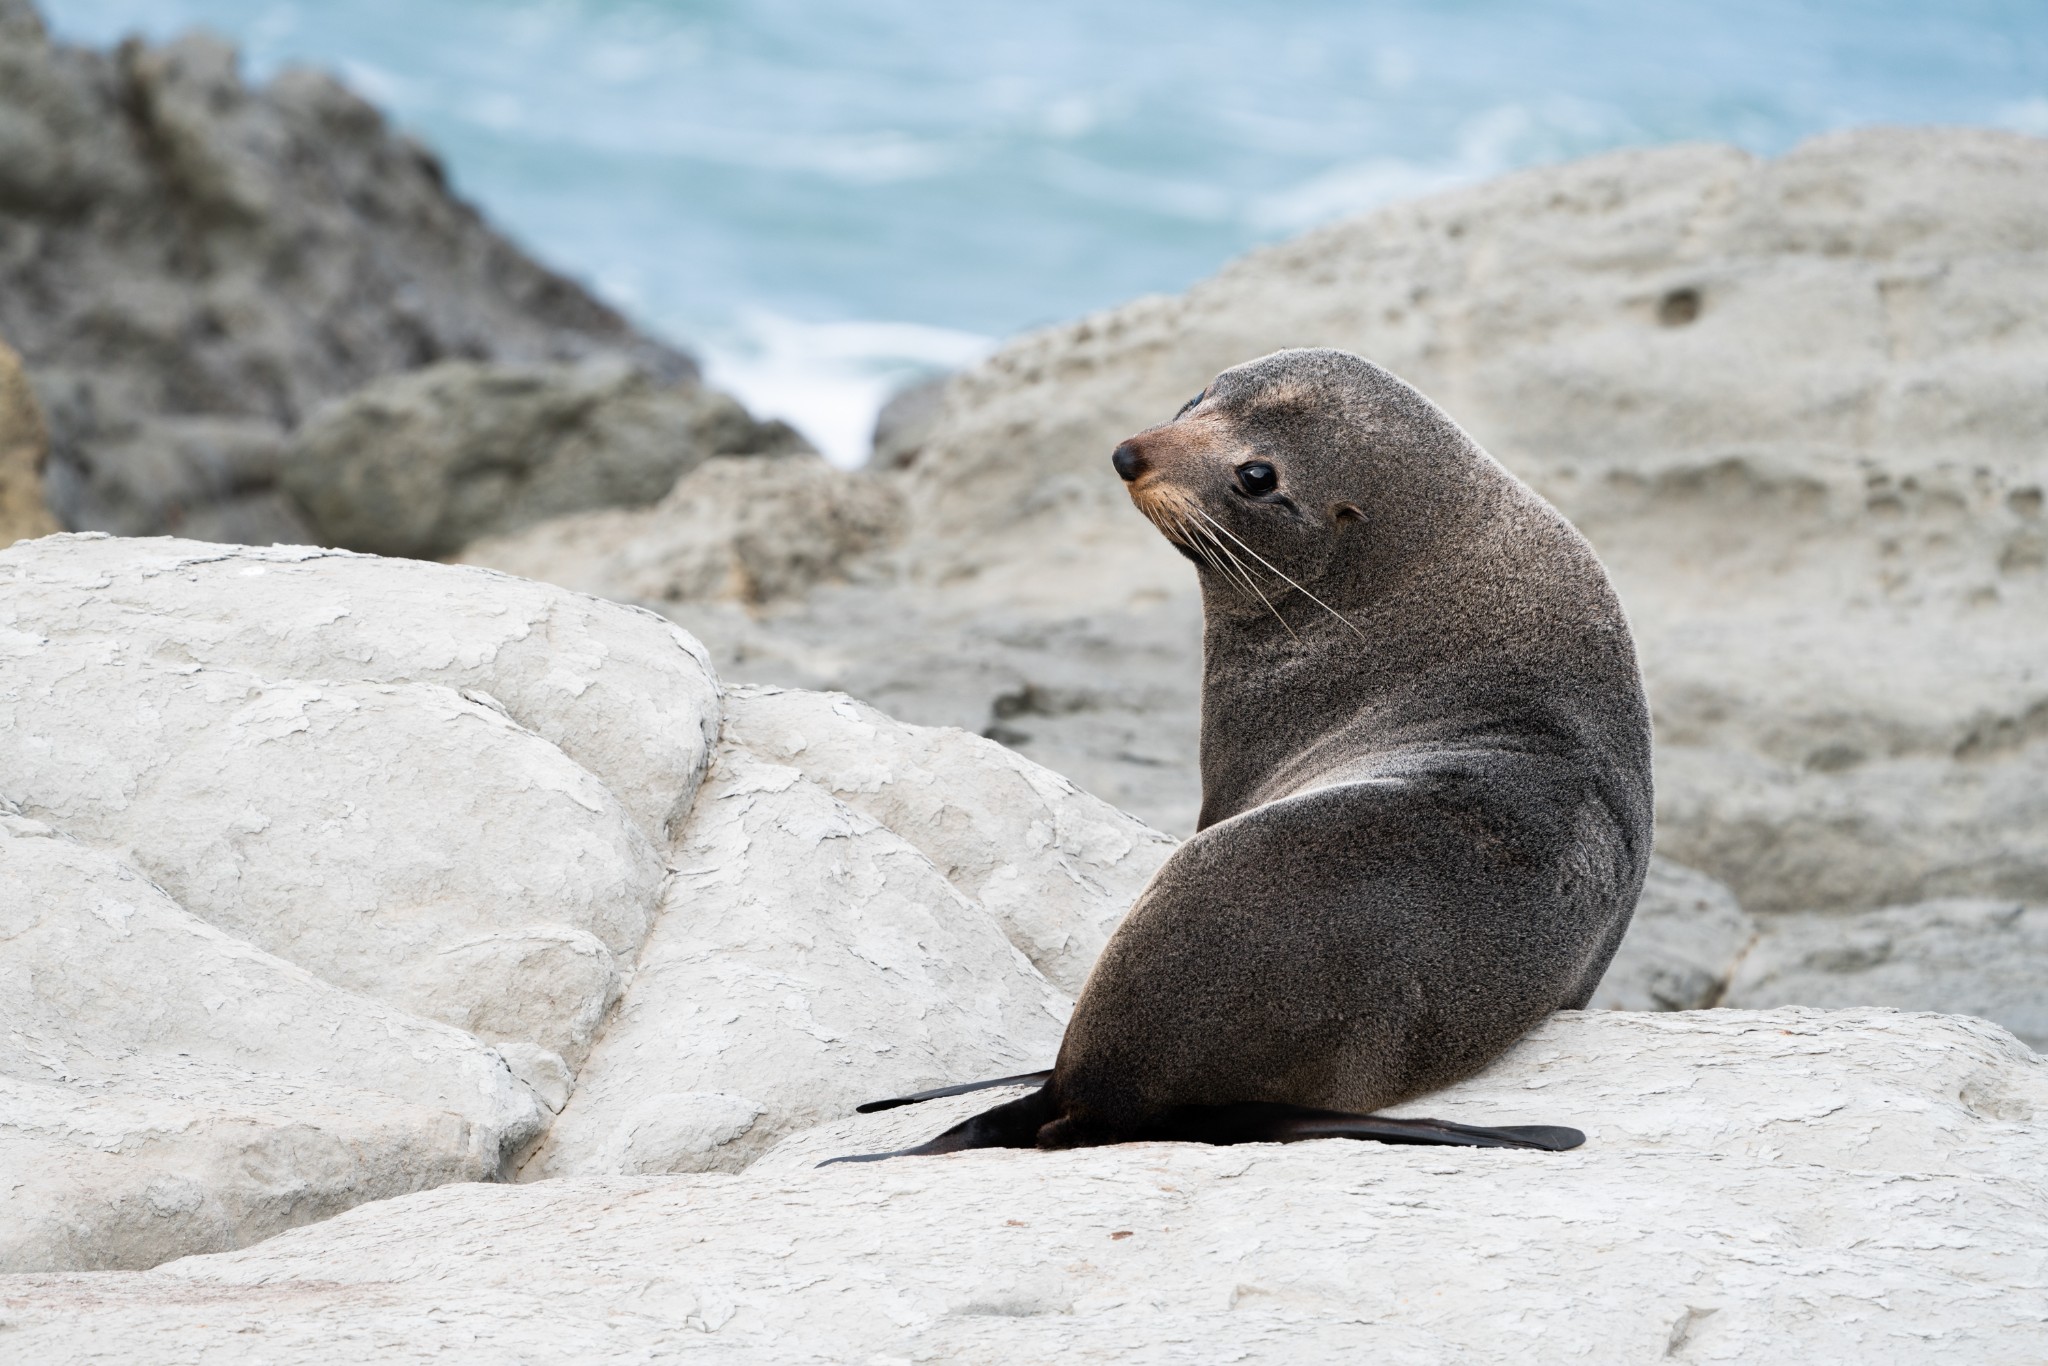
x=1424 y=826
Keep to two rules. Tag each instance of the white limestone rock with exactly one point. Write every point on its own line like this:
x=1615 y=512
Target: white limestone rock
x=397 y=839
x=623 y=693
x=1055 y=866
x=437 y=786
x=1976 y=957
x=1682 y=946
x=167 y=1089
x=806 y=959
x=1779 y=1186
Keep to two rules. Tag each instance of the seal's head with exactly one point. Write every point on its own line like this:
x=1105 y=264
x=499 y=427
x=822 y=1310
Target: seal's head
x=1310 y=464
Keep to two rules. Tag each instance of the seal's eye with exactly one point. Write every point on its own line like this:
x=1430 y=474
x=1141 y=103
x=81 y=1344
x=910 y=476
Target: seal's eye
x=1257 y=478
x=1192 y=402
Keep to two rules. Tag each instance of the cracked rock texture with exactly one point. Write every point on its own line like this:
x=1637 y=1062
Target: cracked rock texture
x=811 y=960
x=190 y=265
x=168 y=1088
x=860 y=908
x=1757 y=1186
x=1056 y=867
x=276 y=813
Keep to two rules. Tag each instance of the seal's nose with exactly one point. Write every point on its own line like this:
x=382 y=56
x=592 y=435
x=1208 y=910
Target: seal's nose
x=1129 y=464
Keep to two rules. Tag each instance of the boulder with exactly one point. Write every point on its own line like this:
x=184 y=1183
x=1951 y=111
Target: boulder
x=24 y=444
x=172 y=1089
x=1056 y=867
x=1975 y=957
x=1682 y=945
x=432 y=785
x=808 y=960
x=1757 y=1186
x=422 y=463
x=744 y=531
x=178 y=247
x=420 y=792
x=861 y=908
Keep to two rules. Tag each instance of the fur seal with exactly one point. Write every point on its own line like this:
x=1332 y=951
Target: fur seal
x=1426 y=793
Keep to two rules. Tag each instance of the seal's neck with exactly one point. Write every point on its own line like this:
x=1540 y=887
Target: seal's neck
x=1438 y=650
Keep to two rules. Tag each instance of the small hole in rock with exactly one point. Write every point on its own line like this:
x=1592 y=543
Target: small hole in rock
x=1679 y=307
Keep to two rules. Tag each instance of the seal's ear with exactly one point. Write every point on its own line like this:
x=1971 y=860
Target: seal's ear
x=1345 y=512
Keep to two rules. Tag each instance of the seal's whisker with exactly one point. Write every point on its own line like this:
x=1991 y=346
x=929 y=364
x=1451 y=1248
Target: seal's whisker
x=1217 y=555
x=1225 y=559
x=1172 y=521
x=1181 y=532
x=1276 y=614
x=1269 y=564
x=1170 y=514
x=1244 y=576
x=1236 y=562
x=1214 y=552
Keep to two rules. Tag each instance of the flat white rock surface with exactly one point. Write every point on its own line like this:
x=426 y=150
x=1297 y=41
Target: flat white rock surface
x=166 y=1088
x=1781 y=1186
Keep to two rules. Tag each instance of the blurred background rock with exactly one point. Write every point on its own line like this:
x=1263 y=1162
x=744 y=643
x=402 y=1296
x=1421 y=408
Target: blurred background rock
x=192 y=266
x=24 y=448
x=1791 y=389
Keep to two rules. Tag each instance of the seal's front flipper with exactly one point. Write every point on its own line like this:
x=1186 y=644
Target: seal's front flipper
x=1013 y=1124
x=1021 y=1079
x=1228 y=1124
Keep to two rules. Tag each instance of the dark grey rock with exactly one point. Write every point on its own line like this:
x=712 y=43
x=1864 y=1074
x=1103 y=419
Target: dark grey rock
x=420 y=464
x=177 y=245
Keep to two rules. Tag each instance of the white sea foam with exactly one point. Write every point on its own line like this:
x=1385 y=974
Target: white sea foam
x=828 y=380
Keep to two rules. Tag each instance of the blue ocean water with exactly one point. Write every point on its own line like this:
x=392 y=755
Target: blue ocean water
x=821 y=198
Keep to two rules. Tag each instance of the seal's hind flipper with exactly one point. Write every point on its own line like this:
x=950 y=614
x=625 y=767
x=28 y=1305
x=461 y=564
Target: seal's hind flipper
x=1228 y=1124
x=1546 y=1137
x=1017 y=1124
x=1013 y=1124
x=1021 y=1079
